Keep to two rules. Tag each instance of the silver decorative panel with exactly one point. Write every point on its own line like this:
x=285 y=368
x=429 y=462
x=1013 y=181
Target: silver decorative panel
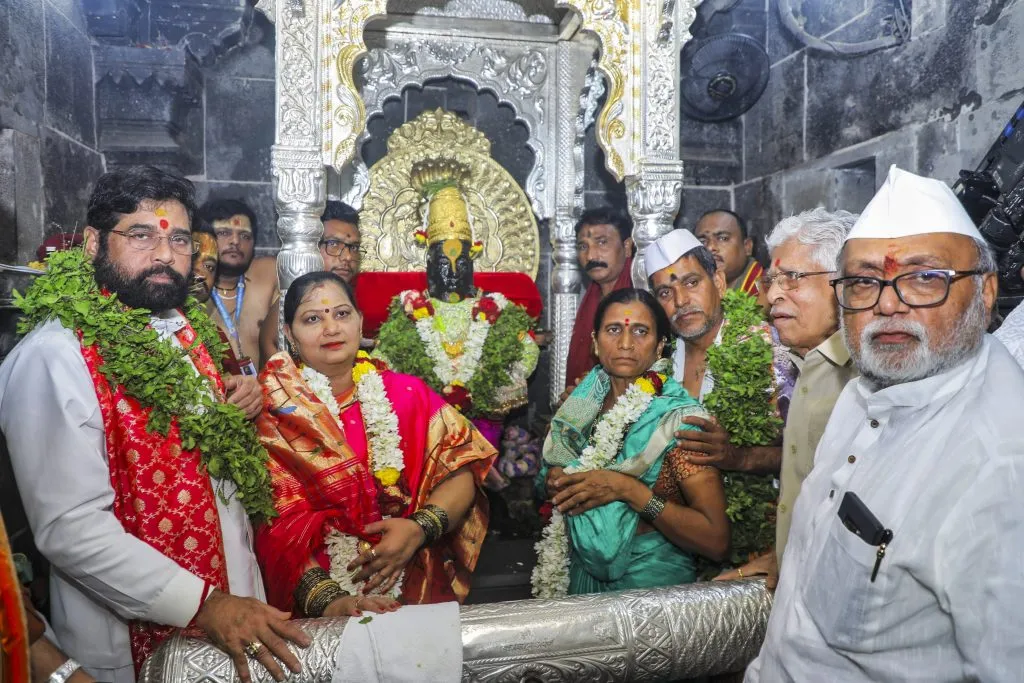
x=516 y=72
x=662 y=634
x=532 y=11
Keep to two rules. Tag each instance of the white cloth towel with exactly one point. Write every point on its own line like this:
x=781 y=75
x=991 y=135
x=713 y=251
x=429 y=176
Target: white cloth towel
x=416 y=644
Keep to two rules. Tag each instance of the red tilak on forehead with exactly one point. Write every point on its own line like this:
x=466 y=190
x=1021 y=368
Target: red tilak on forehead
x=627 y=321
x=164 y=224
x=778 y=262
x=236 y=221
x=890 y=265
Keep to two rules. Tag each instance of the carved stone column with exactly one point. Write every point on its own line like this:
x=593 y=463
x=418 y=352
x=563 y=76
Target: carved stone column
x=296 y=159
x=653 y=195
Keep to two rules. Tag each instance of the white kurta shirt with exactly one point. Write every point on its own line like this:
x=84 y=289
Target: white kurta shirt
x=679 y=366
x=940 y=462
x=1011 y=333
x=101 y=576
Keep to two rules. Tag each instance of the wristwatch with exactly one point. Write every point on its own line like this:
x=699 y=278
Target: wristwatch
x=64 y=671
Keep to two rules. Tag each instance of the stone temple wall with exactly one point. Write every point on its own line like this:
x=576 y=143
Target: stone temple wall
x=238 y=118
x=827 y=128
x=48 y=147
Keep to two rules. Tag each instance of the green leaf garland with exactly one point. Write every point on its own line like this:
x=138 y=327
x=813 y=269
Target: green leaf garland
x=155 y=372
x=401 y=345
x=742 y=403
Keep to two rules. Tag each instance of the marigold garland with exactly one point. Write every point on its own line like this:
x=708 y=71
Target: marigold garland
x=155 y=372
x=400 y=342
x=741 y=402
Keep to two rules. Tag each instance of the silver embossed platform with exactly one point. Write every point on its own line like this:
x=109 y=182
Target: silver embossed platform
x=661 y=634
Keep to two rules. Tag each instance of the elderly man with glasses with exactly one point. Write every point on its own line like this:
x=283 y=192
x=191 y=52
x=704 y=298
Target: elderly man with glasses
x=804 y=249
x=904 y=557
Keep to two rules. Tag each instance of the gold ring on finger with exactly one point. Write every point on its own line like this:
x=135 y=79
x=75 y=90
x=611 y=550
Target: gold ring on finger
x=373 y=553
x=253 y=649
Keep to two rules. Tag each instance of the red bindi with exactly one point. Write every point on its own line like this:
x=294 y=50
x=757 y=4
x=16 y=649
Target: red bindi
x=778 y=262
x=164 y=224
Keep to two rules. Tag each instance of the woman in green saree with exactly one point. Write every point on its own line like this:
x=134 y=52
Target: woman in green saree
x=635 y=510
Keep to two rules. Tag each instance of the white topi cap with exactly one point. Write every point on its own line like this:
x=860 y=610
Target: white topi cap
x=668 y=249
x=909 y=204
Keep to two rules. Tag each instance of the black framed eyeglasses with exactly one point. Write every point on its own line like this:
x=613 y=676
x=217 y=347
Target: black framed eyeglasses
x=920 y=289
x=788 y=279
x=141 y=240
x=338 y=247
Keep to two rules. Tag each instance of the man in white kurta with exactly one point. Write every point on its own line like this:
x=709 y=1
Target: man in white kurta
x=101 y=574
x=930 y=439
x=102 y=577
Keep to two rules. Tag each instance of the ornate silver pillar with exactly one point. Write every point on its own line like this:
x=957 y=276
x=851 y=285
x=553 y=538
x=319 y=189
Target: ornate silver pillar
x=660 y=634
x=565 y=275
x=565 y=287
x=296 y=158
x=653 y=188
x=653 y=195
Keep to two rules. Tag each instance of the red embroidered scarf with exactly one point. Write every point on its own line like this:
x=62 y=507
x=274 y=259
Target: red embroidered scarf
x=162 y=494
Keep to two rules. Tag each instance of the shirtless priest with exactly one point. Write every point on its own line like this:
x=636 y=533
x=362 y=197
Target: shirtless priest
x=246 y=287
x=125 y=448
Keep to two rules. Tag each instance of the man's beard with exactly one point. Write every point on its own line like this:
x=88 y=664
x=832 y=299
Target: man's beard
x=709 y=323
x=886 y=365
x=199 y=290
x=231 y=270
x=135 y=291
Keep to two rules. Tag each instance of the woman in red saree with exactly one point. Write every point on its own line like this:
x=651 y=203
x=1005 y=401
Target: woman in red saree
x=376 y=478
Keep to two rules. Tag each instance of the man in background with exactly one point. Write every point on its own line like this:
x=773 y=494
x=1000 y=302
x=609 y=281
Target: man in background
x=204 y=263
x=725 y=235
x=246 y=287
x=605 y=250
x=341 y=245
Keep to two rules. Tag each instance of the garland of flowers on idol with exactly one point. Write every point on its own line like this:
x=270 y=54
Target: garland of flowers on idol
x=550 y=577
x=155 y=372
x=384 y=446
x=741 y=402
x=491 y=356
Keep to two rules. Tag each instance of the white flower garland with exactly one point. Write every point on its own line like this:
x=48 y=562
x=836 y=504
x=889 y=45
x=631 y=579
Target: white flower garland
x=456 y=370
x=379 y=419
x=342 y=549
x=385 y=454
x=550 y=577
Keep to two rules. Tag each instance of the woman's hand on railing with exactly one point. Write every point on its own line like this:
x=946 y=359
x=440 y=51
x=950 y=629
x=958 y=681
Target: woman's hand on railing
x=353 y=605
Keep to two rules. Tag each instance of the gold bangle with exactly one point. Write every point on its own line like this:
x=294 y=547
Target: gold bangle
x=739 y=570
x=315 y=591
